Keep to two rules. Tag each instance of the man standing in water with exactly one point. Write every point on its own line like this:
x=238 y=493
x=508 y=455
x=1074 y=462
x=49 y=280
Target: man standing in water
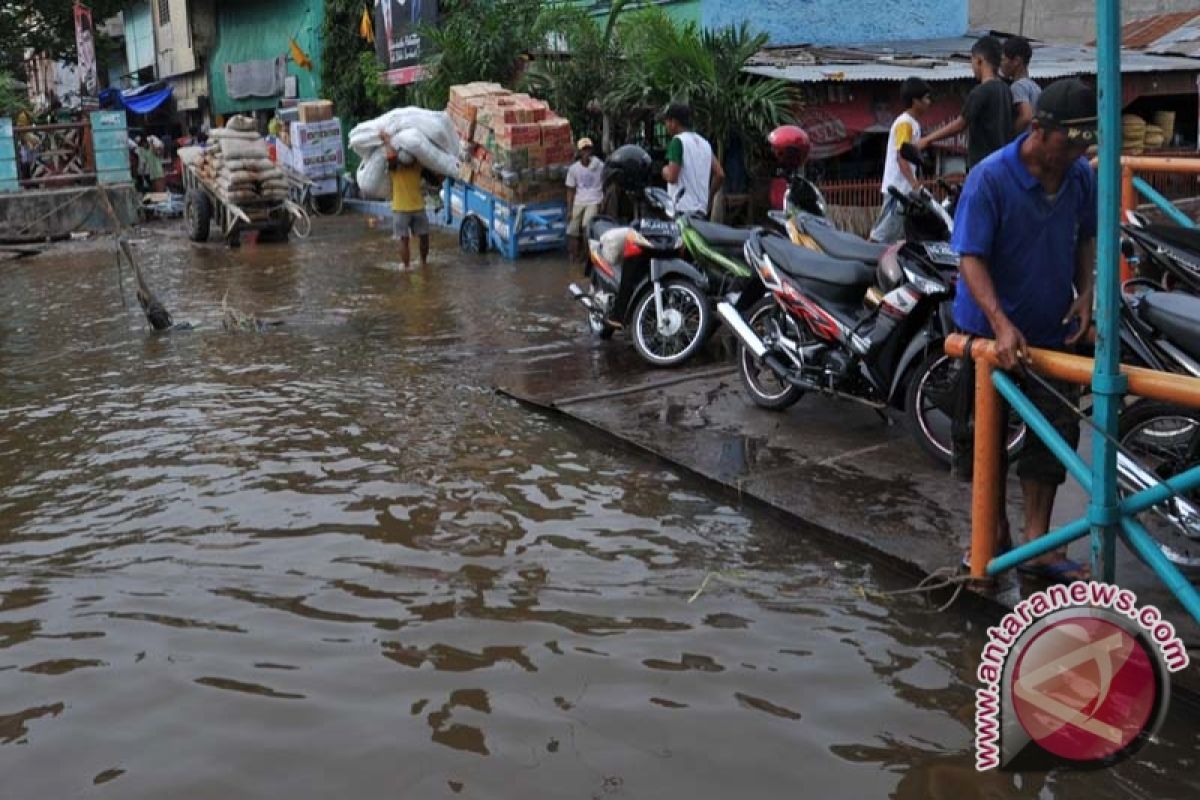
x=1026 y=232
x=408 y=205
x=585 y=192
x=987 y=116
x=692 y=173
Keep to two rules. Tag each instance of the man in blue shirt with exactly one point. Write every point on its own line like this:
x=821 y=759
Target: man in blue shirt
x=1026 y=231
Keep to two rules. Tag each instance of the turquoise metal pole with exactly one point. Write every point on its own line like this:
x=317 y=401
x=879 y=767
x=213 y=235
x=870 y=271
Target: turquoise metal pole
x=1108 y=385
x=1053 y=540
x=1143 y=543
x=1167 y=207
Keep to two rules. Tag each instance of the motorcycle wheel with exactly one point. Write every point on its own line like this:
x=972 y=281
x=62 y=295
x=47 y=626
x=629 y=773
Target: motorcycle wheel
x=1162 y=439
x=765 y=388
x=929 y=408
x=688 y=316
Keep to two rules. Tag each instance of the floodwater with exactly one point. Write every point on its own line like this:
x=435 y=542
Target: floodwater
x=327 y=560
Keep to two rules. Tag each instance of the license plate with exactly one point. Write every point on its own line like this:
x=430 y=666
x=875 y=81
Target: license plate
x=657 y=227
x=941 y=253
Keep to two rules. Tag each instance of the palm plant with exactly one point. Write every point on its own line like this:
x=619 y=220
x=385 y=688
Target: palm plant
x=666 y=62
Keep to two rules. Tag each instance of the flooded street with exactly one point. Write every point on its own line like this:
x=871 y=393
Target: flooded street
x=327 y=560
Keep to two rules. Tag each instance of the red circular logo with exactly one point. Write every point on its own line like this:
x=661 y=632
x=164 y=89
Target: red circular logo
x=1084 y=688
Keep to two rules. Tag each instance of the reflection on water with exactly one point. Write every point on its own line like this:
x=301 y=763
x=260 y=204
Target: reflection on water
x=328 y=561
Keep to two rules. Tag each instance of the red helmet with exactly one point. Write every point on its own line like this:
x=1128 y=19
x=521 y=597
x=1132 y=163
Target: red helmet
x=791 y=145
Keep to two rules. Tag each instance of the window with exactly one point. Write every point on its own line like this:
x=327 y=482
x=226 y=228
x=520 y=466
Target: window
x=164 y=12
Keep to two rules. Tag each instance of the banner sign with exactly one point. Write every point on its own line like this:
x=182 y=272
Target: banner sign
x=398 y=43
x=85 y=45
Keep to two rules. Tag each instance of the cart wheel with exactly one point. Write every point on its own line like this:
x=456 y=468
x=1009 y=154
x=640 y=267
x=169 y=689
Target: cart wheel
x=234 y=238
x=302 y=226
x=197 y=214
x=472 y=237
x=325 y=205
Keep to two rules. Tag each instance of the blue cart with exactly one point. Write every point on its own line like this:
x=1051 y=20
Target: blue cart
x=485 y=221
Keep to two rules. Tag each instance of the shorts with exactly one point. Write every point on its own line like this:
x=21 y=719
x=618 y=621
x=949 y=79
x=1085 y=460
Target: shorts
x=1035 y=462
x=581 y=217
x=889 y=226
x=404 y=222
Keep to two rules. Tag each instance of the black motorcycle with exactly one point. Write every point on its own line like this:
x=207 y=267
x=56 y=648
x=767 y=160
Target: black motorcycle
x=1168 y=254
x=817 y=331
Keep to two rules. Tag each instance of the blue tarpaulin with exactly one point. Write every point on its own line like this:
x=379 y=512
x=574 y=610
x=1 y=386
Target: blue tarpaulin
x=142 y=100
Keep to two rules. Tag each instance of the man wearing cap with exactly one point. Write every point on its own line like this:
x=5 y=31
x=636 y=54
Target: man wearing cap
x=585 y=192
x=692 y=173
x=1026 y=232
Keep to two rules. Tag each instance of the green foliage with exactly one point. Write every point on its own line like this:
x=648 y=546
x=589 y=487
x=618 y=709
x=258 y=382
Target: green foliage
x=44 y=26
x=12 y=99
x=577 y=84
x=342 y=63
x=477 y=40
x=666 y=62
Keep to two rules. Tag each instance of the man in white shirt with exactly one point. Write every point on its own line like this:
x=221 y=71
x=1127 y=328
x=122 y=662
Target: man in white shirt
x=585 y=192
x=692 y=173
x=898 y=172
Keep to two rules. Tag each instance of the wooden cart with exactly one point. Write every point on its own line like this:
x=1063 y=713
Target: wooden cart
x=204 y=205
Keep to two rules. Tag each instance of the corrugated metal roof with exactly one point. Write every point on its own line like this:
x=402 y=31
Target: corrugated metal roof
x=1177 y=33
x=938 y=60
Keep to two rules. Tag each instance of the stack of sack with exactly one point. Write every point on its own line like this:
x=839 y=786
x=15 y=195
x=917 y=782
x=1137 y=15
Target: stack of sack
x=1133 y=134
x=238 y=163
x=416 y=134
x=515 y=146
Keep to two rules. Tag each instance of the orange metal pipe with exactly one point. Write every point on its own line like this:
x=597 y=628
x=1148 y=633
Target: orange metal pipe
x=1164 y=386
x=1161 y=164
x=985 y=484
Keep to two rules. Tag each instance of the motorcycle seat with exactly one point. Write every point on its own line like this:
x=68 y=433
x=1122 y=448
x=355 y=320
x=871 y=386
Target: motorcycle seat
x=602 y=225
x=1186 y=239
x=834 y=279
x=720 y=235
x=840 y=244
x=1176 y=316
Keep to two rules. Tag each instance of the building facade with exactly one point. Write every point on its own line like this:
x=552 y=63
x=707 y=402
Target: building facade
x=1061 y=20
x=821 y=22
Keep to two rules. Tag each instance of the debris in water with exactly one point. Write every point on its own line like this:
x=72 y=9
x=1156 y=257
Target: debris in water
x=233 y=320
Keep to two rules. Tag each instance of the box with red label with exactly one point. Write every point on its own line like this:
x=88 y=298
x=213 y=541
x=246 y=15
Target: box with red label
x=555 y=131
x=559 y=153
x=522 y=135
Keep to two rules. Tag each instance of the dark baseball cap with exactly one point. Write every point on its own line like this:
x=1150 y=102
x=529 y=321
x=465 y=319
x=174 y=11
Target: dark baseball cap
x=1069 y=105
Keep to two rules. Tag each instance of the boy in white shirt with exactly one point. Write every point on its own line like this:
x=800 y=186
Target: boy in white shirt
x=585 y=192
x=897 y=171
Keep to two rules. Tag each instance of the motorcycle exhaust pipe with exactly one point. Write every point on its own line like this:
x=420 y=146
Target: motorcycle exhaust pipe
x=738 y=325
x=582 y=297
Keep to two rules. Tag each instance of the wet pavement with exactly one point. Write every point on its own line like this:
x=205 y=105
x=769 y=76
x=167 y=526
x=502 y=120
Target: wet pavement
x=328 y=560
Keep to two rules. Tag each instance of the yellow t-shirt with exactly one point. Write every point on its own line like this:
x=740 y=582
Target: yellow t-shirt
x=406 y=188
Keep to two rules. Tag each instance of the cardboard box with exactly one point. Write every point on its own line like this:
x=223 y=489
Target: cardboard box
x=461 y=93
x=308 y=134
x=316 y=111
x=515 y=136
x=559 y=154
x=482 y=135
x=555 y=131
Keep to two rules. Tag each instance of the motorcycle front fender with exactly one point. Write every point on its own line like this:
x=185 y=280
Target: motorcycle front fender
x=661 y=268
x=915 y=351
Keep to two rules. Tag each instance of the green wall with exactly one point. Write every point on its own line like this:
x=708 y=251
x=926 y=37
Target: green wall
x=260 y=29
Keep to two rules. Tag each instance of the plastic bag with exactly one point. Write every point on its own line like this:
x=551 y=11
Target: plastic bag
x=374 y=183
x=418 y=144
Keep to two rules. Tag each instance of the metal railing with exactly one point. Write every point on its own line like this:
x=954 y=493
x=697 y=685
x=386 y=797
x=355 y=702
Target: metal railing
x=1108 y=515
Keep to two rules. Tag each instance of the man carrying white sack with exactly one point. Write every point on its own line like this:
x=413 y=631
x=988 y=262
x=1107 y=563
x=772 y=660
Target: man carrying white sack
x=408 y=204
x=585 y=192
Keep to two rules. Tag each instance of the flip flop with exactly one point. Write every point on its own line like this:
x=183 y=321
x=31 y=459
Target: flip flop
x=1056 y=571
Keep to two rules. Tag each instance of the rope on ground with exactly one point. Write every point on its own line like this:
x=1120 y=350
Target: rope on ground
x=936 y=581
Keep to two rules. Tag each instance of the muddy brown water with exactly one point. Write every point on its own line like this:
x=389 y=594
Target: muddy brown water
x=328 y=561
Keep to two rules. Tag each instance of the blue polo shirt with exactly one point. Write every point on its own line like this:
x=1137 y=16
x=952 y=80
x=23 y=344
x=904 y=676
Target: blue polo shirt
x=1028 y=240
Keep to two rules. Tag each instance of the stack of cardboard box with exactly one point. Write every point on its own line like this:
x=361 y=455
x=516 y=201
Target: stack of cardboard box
x=315 y=151
x=516 y=148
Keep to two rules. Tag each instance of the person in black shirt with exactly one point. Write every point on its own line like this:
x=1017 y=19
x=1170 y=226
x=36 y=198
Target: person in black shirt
x=987 y=116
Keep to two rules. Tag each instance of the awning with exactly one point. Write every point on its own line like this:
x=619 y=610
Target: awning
x=141 y=100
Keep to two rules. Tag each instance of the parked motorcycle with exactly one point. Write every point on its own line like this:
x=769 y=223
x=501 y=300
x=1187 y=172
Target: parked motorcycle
x=680 y=265
x=1169 y=254
x=816 y=333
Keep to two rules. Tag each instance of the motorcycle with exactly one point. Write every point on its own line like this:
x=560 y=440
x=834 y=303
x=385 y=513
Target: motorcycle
x=816 y=333
x=791 y=191
x=1170 y=254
